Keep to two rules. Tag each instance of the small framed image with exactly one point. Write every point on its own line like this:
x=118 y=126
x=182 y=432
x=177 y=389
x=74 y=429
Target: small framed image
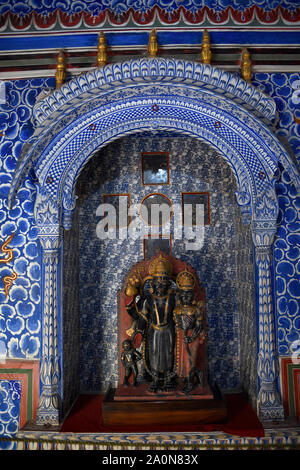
x=153 y=244
x=156 y=209
x=121 y=207
x=155 y=168
x=189 y=208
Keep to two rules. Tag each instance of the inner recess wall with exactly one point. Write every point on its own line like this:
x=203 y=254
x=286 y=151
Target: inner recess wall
x=103 y=264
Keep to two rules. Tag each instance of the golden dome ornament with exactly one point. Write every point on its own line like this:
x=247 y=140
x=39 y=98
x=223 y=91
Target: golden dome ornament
x=205 y=51
x=101 y=51
x=246 y=66
x=60 y=74
x=153 y=46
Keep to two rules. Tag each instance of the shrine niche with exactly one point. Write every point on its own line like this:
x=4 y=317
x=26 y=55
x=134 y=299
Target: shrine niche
x=191 y=99
x=162 y=348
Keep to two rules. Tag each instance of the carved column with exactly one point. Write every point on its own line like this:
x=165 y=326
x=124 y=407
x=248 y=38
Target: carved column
x=46 y=214
x=263 y=231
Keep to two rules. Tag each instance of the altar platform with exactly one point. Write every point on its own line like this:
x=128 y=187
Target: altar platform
x=83 y=430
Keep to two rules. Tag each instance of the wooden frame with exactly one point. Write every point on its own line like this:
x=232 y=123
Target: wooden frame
x=147 y=179
x=202 y=199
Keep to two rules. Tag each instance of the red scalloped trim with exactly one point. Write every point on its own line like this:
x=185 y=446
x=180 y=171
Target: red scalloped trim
x=267 y=16
x=69 y=21
x=18 y=22
x=243 y=17
x=44 y=23
x=116 y=19
x=91 y=20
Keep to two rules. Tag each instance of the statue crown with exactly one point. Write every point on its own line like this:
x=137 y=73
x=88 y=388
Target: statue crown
x=185 y=280
x=160 y=267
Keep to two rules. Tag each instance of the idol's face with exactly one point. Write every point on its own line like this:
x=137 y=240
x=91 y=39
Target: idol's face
x=161 y=285
x=126 y=346
x=187 y=297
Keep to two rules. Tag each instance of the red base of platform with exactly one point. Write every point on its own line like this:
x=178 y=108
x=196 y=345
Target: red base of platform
x=86 y=417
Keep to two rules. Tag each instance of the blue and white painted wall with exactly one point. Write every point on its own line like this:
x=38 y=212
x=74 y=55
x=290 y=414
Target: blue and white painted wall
x=20 y=311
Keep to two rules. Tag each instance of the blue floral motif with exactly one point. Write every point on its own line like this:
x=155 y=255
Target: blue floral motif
x=287 y=253
x=283 y=88
x=20 y=311
x=10 y=397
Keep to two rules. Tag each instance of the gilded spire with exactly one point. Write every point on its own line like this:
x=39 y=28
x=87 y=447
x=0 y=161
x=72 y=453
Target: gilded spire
x=60 y=74
x=152 y=46
x=246 y=66
x=205 y=50
x=102 y=55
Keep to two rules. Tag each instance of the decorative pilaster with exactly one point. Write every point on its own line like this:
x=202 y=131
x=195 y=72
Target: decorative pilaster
x=263 y=231
x=46 y=214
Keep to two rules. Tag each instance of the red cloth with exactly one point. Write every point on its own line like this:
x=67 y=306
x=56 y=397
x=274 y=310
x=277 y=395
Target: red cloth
x=86 y=416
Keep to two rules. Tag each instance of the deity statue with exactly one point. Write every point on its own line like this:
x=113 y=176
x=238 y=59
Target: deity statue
x=129 y=359
x=152 y=315
x=162 y=350
x=188 y=314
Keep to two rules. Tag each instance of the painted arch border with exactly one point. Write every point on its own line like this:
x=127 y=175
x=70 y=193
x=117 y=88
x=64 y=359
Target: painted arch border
x=192 y=78
x=66 y=188
x=158 y=69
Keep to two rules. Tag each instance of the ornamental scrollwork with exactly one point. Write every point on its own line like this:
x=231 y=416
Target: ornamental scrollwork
x=45 y=209
x=266 y=207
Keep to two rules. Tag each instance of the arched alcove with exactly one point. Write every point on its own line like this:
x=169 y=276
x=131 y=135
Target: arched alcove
x=94 y=269
x=161 y=95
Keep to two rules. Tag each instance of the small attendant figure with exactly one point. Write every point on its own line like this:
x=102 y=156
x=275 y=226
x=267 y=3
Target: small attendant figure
x=129 y=359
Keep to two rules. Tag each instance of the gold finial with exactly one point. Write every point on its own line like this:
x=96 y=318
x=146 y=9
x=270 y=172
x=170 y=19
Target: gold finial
x=102 y=55
x=205 y=50
x=246 y=66
x=153 y=46
x=60 y=74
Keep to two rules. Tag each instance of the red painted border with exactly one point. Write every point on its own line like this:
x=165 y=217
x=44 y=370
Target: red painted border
x=34 y=365
x=296 y=381
x=285 y=389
